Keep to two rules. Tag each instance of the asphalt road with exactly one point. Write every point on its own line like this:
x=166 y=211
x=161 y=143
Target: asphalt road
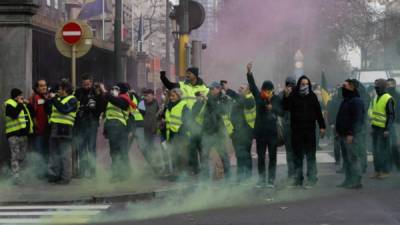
x=378 y=203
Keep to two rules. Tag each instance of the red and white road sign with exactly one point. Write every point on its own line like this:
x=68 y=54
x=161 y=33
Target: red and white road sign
x=72 y=33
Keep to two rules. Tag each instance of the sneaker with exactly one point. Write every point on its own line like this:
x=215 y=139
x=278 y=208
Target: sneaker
x=309 y=184
x=383 y=175
x=295 y=184
x=270 y=185
x=374 y=175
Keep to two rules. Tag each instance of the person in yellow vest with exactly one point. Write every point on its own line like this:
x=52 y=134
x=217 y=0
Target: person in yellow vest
x=191 y=87
x=116 y=130
x=382 y=114
x=176 y=117
x=135 y=120
x=18 y=126
x=64 y=106
x=213 y=114
x=243 y=118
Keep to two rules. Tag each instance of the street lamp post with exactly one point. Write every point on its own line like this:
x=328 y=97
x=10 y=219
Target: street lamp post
x=117 y=42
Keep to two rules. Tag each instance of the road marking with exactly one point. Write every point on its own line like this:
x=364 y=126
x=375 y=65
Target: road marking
x=73 y=207
x=50 y=214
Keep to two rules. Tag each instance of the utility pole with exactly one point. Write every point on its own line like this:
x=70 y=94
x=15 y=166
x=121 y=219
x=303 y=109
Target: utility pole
x=117 y=42
x=167 y=40
x=184 y=38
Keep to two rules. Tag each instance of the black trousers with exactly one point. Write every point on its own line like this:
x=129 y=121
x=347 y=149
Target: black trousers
x=243 y=156
x=262 y=145
x=195 y=151
x=117 y=135
x=86 y=152
x=304 y=145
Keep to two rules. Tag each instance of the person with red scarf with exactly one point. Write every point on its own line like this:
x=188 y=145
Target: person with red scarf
x=38 y=102
x=268 y=108
x=116 y=130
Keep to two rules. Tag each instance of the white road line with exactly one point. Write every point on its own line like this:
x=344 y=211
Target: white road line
x=46 y=221
x=51 y=213
x=71 y=207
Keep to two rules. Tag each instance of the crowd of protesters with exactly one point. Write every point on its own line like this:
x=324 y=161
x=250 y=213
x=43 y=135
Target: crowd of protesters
x=177 y=130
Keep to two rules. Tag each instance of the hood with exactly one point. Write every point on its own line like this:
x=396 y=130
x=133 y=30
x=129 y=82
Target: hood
x=267 y=85
x=298 y=84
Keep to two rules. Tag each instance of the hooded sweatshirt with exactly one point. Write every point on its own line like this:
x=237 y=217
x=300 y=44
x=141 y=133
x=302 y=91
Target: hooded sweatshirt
x=305 y=110
x=350 y=117
x=265 y=125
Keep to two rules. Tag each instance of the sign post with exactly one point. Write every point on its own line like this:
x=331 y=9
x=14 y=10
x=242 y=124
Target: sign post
x=74 y=40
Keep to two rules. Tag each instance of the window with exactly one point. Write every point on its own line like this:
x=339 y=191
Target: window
x=48 y=2
x=56 y=4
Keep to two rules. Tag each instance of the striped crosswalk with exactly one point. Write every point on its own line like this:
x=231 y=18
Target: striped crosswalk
x=50 y=214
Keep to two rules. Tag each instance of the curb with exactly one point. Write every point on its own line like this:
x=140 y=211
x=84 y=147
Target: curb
x=97 y=199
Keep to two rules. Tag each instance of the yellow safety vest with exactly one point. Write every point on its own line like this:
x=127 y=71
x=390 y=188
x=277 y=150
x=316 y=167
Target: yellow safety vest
x=61 y=118
x=115 y=113
x=173 y=118
x=189 y=92
x=250 y=114
x=135 y=112
x=13 y=125
x=377 y=111
x=227 y=122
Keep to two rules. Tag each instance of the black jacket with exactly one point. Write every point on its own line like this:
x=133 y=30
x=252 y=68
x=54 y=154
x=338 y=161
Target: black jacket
x=305 y=111
x=350 y=117
x=171 y=85
x=85 y=112
x=265 y=126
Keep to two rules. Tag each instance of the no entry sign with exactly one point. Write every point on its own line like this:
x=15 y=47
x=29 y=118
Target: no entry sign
x=72 y=33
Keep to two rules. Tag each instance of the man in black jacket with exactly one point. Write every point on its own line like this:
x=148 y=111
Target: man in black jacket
x=91 y=105
x=268 y=108
x=305 y=111
x=349 y=125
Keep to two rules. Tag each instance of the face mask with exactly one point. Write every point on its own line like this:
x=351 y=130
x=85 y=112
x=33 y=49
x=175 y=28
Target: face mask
x=266 y=94
x=379 y=91
x=114 y=93
x=304 y=89
x=391 y=89
x=346 y=93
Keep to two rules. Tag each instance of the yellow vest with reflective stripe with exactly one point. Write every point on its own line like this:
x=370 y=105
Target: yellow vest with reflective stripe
x=115 y=113
x=13 y=125
x=227 y=122
x=61 y=118
x=378 y=111
x=135 y=112
x=173 y=118
x=189 y=92
x=250 y=114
